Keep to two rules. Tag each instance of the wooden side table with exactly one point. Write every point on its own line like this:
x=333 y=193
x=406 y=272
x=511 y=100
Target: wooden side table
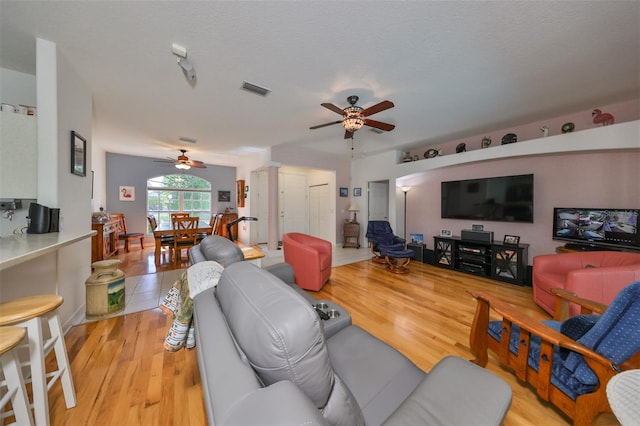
x=351 y=231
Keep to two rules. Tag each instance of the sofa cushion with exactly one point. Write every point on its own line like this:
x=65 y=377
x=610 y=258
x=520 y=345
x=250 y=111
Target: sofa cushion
x=455 y=392
x=281 y=335
x=379 y=376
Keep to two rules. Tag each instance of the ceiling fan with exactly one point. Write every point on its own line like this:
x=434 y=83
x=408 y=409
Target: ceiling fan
x=183 y=162
x=354 y=117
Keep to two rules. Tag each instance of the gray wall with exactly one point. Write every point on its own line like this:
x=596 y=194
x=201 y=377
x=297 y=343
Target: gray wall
x=128 y=170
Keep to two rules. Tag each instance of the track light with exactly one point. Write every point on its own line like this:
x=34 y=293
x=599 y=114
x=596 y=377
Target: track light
x=186 y=65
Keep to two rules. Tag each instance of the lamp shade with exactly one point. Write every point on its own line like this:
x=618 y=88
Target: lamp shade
x=353 y=208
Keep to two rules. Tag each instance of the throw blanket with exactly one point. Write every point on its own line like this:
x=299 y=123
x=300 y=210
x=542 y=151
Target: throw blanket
x=179 y=304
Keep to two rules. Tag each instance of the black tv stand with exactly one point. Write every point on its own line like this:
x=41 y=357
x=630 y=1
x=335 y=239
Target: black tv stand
x=492 y=260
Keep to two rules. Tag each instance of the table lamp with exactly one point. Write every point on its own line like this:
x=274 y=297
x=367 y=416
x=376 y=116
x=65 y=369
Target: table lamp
x=355 y=211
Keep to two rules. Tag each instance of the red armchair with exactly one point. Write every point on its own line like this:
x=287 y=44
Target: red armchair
x=310 y=258
x=593 y=275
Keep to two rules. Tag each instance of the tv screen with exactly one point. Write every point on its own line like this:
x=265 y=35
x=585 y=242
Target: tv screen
x=503 y=199
x=597 y=227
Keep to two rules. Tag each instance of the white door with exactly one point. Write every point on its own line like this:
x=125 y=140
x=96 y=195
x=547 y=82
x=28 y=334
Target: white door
x=259 y=196
x=378 y=200
x=293 y=203
x=320 y=212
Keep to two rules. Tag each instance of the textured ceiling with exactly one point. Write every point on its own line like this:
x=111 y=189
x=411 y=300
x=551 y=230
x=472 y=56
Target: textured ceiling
x=452 y=68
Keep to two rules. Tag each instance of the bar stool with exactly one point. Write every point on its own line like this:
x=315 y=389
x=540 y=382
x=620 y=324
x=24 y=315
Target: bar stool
x=30 y=312
x=10 y=337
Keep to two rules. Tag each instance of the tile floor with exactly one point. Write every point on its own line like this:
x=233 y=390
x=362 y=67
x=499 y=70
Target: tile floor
x=145 y=292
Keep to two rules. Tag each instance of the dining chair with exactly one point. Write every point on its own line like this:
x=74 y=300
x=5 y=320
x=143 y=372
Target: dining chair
x=166 y=241
x=178 y=216
x=185 y=235
x=124 y=235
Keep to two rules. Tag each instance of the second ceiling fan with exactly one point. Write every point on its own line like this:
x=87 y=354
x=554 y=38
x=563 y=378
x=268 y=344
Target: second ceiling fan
x=354 y=116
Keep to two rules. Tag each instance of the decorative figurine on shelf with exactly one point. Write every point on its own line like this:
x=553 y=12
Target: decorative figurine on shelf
x=407 y=157
x=509 y=138
x=568 y=127
x=545 y=131
x=600 y=117
x=462 y=147
x=432 y=153
x=486 y=141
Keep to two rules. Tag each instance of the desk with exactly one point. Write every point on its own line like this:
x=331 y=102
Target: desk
x=165 y=229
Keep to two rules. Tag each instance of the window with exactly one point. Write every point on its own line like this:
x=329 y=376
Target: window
x=178 y=193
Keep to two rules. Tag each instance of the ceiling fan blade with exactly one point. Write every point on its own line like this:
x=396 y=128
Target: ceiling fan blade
x=197 y=165
x=377 y=108
x=165 y=161
x=325 y=124
x=348 y=134
x=333 y=108
x=379 y=125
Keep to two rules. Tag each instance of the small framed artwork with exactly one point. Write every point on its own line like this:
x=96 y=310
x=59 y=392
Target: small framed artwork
x=357 y=192
x=344 y=192
x=127 y=193
x=224 y=196
x=511 y=240
x=446 y=233
x=78 y=154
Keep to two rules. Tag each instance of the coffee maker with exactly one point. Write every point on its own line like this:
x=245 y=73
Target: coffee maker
x=43 y=219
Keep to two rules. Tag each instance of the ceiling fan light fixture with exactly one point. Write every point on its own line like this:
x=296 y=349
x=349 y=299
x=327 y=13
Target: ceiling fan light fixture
x=183 y=166
x=353 y=119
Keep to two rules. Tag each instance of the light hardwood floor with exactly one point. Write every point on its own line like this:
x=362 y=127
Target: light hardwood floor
x=124 y=377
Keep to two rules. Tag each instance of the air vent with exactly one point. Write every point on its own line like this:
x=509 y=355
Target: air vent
x=254 y=88
x=186 y=139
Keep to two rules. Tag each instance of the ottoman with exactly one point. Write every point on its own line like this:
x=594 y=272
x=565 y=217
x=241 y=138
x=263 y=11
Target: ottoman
x=397 y=260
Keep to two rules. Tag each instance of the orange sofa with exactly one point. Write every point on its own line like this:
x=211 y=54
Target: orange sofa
x=593 y=275
x=310 y=258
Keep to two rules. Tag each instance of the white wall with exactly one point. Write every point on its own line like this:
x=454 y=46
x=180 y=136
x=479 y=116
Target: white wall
x=64 y=104
x=17 y=88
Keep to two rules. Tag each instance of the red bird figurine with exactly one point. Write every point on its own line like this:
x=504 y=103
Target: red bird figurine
x=599 y=117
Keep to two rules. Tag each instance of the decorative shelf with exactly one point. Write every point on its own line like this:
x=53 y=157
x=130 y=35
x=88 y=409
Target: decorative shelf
x=622 y=136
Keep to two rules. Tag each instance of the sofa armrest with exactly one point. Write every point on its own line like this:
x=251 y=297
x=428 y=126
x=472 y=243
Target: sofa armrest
x=195 y=255
x=321 y=246
x=601 y=283
x=282 y=403
x=557 y=263
x=282 y=270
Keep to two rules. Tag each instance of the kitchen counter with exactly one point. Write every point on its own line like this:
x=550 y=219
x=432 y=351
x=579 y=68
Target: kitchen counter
x=15 y=249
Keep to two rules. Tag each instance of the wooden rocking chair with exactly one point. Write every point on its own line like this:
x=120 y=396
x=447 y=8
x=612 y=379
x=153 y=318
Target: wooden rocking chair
x=568 y=362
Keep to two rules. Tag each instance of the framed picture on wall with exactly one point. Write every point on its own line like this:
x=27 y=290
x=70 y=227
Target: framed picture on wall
x=357 y=192
x=127 y=193
x=344 y=192
x=78 y=154
x=224 y=196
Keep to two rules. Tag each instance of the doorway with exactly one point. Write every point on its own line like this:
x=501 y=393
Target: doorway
x=378 y=200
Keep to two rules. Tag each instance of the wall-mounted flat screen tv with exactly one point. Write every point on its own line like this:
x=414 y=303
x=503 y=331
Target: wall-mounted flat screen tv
x=503 y=199
x=615 y=228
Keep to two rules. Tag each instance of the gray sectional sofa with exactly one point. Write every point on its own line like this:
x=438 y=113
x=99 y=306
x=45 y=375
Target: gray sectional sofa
x=265 y=359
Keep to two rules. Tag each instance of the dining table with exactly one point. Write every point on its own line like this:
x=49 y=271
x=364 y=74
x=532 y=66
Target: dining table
x=165 y=229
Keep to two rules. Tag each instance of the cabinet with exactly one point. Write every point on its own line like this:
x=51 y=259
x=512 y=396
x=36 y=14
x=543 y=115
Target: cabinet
x=105 y=243
x=493 y=260
x=220 y=224
x=351 y=231
x=18 y=156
